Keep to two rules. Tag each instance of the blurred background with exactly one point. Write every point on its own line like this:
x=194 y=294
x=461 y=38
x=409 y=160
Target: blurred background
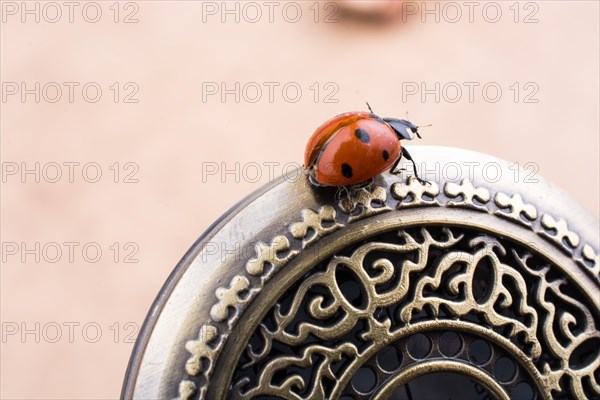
x=127 y=128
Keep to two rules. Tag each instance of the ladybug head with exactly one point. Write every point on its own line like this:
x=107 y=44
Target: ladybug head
x=404 y=129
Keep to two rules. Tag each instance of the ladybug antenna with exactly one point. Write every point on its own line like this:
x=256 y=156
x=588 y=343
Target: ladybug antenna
x=421 y=126
x=369 y=107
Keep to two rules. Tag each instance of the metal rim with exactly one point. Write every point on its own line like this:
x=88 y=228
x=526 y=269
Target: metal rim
x=151 y=372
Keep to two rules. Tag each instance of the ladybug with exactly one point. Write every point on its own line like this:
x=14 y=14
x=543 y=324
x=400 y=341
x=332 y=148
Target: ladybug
x=352 y=148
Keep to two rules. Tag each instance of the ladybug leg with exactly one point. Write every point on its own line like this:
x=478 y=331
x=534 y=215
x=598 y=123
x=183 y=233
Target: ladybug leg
x=407 y=155
x=393 y=169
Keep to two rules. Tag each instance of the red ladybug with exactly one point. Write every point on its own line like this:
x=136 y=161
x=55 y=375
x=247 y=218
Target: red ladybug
x=352 y=148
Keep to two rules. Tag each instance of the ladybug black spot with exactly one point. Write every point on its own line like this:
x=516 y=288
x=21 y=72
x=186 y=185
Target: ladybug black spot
x=362 y=135
x=346 y=170
x=386 y=155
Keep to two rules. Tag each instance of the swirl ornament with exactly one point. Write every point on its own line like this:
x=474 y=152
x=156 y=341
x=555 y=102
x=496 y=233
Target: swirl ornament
x=400 y=284
x=472 y=282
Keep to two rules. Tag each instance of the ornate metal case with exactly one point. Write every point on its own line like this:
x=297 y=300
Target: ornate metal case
x=483 y=283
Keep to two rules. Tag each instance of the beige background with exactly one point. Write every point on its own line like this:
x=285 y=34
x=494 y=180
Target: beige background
x=171 y=134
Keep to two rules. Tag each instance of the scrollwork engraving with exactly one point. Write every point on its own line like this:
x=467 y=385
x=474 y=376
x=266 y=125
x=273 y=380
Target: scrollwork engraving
x=375 y=295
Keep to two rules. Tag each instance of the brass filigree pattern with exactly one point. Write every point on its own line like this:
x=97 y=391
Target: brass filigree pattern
x=559 y=232
x=486 y=249
x=414 y=193
x=203 y=351
x=364 y=203
x=519 y=210
x=314 y=225
x=268 y=256
x=440 y=346
x=471 y=279
x=231 y=298
x=467 y=195
x=591 y=259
